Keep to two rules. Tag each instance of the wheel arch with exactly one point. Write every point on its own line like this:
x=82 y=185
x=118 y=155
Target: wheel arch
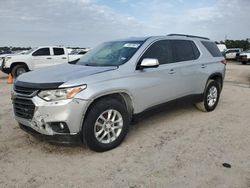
x=122 y=96
x=217 y=77
x=18 y=63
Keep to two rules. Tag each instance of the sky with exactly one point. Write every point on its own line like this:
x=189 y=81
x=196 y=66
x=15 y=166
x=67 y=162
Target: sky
x=86 y=23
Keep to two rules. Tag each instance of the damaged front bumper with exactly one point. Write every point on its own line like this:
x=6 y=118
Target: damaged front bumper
x=59 y=121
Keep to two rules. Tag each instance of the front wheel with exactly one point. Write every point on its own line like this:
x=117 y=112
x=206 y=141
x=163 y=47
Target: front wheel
x=244 y=63
x=18 y=70
x=210 y=98
x=106 y=124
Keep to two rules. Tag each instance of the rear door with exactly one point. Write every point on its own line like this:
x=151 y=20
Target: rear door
x=42 y=58
x=59 y=55
x=185 y=55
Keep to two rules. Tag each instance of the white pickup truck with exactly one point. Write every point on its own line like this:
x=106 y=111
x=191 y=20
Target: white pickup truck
x=36 y=58
x=245 y=57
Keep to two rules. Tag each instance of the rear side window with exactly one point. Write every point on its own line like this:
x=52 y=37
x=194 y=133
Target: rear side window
x=42 y=52
x=195 y=50
x=184 y=50
x=58 y=51
x=212 y=48
x=160 y=50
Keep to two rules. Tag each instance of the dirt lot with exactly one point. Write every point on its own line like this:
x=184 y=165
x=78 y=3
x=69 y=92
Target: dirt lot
x=175 y=147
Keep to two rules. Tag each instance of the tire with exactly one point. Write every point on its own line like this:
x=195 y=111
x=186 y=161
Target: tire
x=94 y=127
x=244 y=63
x=211 y=87
x=18 y=70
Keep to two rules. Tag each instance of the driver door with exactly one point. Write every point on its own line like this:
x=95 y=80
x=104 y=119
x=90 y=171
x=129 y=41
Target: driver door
x=42 y=58
x=161 y=84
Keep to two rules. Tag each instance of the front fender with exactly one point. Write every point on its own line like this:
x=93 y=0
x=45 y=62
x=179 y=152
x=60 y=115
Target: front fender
x=91 y=96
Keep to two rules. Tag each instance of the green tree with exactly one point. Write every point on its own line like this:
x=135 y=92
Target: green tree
x=243 y=44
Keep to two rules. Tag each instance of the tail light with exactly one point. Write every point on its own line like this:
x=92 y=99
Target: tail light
x=224 y=61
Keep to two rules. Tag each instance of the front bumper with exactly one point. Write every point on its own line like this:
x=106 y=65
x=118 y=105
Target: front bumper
x=61 y=139
x=3 y=68
x=244 y=59
x=48 y=114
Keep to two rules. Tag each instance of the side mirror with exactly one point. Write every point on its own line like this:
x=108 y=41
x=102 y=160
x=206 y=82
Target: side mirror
x=149 y=63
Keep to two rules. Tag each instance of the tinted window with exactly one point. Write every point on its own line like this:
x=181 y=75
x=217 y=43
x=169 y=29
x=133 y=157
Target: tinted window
x=212 y=48
x=230 y=51
x=233 y=51
x=58 y=51
x=41 y=52
x=184 y=50
x=82 y=52
x=160 y=50
x=196 y=51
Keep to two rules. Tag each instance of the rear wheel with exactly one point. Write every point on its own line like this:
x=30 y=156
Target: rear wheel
x=210 y=98
x=106 y=124
x=18 y=70
x=244 y=63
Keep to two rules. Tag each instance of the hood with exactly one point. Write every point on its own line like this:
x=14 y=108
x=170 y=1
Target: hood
x=58 y=74
x=17 y=56
x=245 y=53
x=4 y=55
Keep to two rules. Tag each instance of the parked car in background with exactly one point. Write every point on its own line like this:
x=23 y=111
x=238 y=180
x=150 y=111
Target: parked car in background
x=244 y=57
x=36 y=58
x=94 y=100
x=232 y=53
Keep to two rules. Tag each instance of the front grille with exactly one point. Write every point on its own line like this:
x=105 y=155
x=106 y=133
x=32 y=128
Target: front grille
x=24 y=90
x=2 y=65
x=23 y=108
x=242 y=58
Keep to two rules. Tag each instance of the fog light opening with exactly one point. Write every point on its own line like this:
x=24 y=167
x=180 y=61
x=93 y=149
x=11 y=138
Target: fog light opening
x=59 y=127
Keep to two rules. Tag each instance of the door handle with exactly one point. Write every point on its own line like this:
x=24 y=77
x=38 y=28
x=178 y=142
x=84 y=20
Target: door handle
x=64 y=57
x=49 y=58
x=203 y=66
x=172 y=71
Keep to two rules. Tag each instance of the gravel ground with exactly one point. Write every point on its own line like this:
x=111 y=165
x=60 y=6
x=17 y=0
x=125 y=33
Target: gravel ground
x=178 y=146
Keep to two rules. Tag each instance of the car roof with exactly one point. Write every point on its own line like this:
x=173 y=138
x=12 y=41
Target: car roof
x=49 y=47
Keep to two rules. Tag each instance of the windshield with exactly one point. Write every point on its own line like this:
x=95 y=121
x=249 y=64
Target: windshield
x=110 y=53
x=29 y=51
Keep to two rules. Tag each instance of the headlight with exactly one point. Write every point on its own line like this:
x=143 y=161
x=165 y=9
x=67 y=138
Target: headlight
x=60 y=94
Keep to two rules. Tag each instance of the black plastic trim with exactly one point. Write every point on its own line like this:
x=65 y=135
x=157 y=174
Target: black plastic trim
x=5 y=70
x=191 y=36
x=189 y=99
x=59 y=139
x=214 y=75
x=38 y=85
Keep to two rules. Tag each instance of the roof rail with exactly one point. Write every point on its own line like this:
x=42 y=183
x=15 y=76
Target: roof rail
x=193 y=36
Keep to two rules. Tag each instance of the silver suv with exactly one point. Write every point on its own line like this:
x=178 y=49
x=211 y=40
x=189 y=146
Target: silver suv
x=95 y=100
